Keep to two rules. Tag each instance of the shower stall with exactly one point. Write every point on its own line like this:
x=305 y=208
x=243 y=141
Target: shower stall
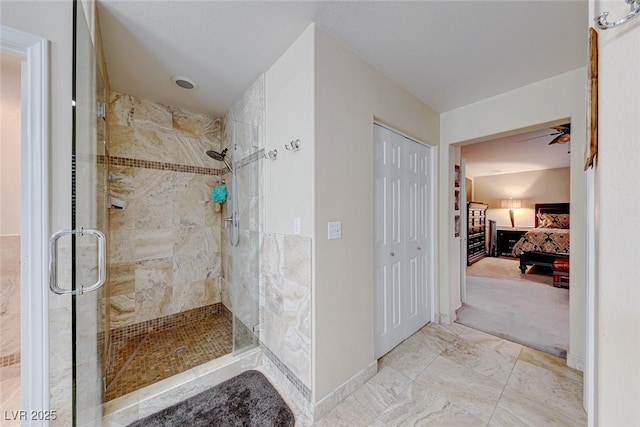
x=183 y=271
x=150 y=351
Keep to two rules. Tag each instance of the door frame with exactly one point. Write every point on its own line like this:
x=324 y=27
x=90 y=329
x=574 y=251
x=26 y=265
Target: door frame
x=464 y=218
x=34 y=213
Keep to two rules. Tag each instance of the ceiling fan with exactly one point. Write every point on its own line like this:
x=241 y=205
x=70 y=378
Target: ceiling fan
x=562 y=134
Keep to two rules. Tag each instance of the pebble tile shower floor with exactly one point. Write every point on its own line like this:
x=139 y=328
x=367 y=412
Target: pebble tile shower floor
x=144 y=360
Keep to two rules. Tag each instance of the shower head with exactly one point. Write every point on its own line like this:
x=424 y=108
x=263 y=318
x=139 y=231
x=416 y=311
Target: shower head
x=217 y=156
x=221 y=156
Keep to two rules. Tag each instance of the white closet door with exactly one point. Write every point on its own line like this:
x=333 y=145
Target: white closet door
x=402 y=240
x=417 y=171
x=411 y=219
x=388 y=239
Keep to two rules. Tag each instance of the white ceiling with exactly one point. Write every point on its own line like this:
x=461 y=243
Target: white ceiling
x=448 y=53
x=513 y=154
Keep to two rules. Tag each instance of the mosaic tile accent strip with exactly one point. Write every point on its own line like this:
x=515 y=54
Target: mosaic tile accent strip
x=297 y=383
x=148 y=164
x=160 y=354
x=9 y=360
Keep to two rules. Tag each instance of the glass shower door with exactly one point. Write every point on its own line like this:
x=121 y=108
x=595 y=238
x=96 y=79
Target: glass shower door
x=90 y=194
x=245 y=249
x=84 y=246
x=89 y=189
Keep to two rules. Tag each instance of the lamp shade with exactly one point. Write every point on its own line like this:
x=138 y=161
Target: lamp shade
x=511 y=203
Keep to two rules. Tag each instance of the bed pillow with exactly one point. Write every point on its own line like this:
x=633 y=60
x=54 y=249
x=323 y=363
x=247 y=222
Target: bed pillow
x=546 y=220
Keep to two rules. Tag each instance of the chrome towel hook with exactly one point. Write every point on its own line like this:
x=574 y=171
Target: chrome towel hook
x=603 y=24
x=293 y=145
x=271 y=155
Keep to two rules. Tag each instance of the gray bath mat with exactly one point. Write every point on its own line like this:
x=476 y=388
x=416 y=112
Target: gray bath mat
x=246 y=400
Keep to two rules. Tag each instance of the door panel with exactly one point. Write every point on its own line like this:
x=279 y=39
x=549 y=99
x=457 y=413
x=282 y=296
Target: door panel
x=401 y=237
x=423 y=243
x=416 y=244
x=388 y=240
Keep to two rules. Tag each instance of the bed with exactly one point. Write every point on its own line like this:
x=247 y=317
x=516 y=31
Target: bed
x=549 y=240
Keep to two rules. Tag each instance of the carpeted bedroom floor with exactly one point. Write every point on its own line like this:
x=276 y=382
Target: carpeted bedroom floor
x=524 y=308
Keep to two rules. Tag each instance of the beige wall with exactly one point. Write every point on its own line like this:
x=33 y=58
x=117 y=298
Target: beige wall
x=290 y=115
x=10 y=144
x=323 y=94
x=350 y=94
x=547 y=101
x=544 y=186
x=617 y=210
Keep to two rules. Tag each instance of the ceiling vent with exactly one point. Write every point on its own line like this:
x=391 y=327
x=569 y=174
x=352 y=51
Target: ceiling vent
x=184 y=82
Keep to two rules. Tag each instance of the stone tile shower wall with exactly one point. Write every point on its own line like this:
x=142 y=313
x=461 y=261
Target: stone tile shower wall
x=285 y=315
x=165 y=244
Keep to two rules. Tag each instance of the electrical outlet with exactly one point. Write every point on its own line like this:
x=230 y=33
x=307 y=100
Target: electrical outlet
x=296 y=225
x=335 y=230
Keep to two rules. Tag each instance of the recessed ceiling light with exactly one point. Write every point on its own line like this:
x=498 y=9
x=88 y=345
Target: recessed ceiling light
x=184 y=82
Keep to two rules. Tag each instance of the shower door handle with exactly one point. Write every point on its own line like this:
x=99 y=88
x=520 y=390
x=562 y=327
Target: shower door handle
x=53 y=261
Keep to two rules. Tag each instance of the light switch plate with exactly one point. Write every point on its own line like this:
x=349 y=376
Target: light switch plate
x=296 y=225
x=335 y=230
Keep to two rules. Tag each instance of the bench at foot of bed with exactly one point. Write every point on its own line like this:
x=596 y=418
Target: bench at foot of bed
x=541 y=258
x=561 y=273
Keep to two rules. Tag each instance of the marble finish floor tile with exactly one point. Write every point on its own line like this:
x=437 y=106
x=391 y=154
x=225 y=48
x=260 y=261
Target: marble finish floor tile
x=381 y=390
x=517 y=408
x=409 y=358
x=419 y=405
x=348 y=413
x=9 y=401
x=476 y=393
x=484 y=353
x=457 y=376
x=547 y=387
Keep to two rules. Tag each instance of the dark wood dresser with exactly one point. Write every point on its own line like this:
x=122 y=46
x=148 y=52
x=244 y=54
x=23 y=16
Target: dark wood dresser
x=476 y=231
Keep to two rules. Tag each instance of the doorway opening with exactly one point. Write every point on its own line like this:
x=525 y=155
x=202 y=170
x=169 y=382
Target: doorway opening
x=10 y=259
x=25 y=183
x=515 y=280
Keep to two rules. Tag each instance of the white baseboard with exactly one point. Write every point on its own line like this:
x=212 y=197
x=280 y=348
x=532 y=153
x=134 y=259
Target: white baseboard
x=329 y=402
x=575 y=362
x=447 y=318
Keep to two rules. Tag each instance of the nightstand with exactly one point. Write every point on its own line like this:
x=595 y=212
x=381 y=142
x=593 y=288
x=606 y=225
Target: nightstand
x=507 y=238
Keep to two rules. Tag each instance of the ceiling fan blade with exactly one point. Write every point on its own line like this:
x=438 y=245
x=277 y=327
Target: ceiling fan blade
x=541 y=136
x=556 y=139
